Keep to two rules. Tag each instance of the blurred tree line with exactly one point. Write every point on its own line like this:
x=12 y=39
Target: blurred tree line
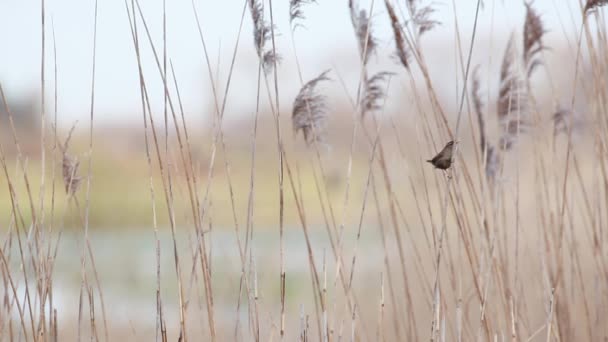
x=25 y=111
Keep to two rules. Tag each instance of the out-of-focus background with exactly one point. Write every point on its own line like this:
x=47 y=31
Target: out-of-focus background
x=116 y=232
x=325 y=41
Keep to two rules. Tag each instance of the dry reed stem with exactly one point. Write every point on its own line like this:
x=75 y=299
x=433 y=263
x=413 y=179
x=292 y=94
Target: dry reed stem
x=159 y=312
x=178 y=135
x=38 y=225
x=337 y=256
x=49 y=288
x=436 y=304
x=168 y=197
x=17 y=212
x=364 y=205
x=275 y=111
x=392 y=203
x=219 y=134
x=86 y=242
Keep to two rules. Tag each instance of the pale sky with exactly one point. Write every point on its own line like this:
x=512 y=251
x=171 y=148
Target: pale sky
x=326 y=42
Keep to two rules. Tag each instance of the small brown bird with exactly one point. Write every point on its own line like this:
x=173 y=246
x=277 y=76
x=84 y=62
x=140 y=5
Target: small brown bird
x=443 y=159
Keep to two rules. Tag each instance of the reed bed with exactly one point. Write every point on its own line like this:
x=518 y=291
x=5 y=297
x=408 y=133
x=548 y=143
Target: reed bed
x=507 y=244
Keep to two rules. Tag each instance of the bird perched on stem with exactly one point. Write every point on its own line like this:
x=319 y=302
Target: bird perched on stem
x=443 y=159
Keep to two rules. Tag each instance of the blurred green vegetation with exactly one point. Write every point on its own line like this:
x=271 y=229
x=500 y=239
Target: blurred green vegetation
x=121 y=197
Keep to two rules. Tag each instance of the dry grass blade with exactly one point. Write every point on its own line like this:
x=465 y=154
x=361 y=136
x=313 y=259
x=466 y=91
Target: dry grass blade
x=374 y=92
x=310 y=110
x=363 y=29
x=262 y=34
x=533 y=39
x=296 y=13
x=402 y=52
x=512 y=103
x=593 y=4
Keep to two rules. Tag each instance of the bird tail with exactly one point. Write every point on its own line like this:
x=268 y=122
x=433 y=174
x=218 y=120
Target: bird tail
x=429 y=161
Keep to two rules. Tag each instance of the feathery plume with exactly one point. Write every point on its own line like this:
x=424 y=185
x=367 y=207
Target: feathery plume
x=71 y=180
x=262 y=34
x=512 y=104
x=69 y=167
x=478 y=106
x=374 y=91
x=363 y=29
x=310 y=110
x=492 y=164
x=402 y=52
x=565 y=120
x=421 y=17
x=296 y=13
x=593 y=4
x=533 y=39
